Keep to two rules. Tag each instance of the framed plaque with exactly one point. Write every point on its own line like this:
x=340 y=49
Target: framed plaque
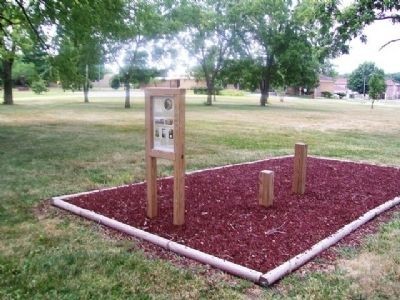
x=165 y=138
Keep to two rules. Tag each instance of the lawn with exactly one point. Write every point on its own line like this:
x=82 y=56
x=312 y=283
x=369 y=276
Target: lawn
x=55 y=144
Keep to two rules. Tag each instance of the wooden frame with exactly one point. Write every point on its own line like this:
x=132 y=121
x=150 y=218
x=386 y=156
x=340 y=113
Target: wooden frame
x=175 y=152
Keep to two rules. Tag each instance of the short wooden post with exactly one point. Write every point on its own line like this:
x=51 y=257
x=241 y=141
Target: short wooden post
x=299 y=170
x=266 y=189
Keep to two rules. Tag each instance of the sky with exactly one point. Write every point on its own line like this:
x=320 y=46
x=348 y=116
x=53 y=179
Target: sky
x=378 y=33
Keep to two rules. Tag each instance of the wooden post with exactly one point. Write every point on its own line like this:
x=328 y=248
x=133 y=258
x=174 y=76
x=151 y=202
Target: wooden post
x=266 y=188
x=179 y=161
x=299 y=170
x=151 y=162
x=165 y=138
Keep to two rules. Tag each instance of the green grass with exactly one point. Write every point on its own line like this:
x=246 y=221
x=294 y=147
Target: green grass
x=54 y=144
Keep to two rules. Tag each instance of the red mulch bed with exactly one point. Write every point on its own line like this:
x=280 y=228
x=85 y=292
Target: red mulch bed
x=223 y=217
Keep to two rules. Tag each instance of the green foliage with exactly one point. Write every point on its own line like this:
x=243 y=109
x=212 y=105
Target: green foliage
x=359 y=78
x=24 y=73
x=363 y=12
x=204 y=90
x=246 y=73
x=39 y=86
x=209 y=37
x=396 y=77
x=326 y=94
x=231 y=92
x=341 y=95
x=328 y=69
x=115 y=82
x=377 y=86
x=275 y=40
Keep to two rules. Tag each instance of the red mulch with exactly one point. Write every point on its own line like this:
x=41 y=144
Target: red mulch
x=223 y=217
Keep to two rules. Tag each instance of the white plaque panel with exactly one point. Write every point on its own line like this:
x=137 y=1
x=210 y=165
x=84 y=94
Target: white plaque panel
x=163 y=112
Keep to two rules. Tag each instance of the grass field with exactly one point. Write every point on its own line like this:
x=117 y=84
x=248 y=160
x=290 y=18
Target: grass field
x=54 y=144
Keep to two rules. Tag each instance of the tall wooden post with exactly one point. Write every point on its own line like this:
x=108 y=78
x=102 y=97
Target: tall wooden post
x=299 y=169
x=179 y=162
x=151 y=163
x=165 y=138
x=266 y=188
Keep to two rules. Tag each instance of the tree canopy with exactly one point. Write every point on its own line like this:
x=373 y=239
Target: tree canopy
x=258 y=44
x=359 y=79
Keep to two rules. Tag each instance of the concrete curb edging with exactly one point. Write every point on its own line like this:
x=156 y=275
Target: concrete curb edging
x=202 y=257
x=241 y=271
x=302 y=258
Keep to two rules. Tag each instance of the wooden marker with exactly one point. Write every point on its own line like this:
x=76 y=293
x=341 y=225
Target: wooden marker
x=266 y=189
x=299 y=170
x=165 y=139
x=179 y=160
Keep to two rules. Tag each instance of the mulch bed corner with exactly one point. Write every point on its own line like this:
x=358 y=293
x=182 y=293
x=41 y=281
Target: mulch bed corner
x=223 y=217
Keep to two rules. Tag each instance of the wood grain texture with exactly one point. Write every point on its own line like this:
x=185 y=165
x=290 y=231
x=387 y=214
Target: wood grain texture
x=299 y=168
x=179 y=162
x=177 y=156
x=151 y=162
x=266 y=188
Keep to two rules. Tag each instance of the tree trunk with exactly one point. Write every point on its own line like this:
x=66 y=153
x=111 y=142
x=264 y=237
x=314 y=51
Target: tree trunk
x=372 y=103
x=210 y=90
x=86 y=92
x=264 y=88
x=7 y=81
x=127 y=94
x=86 y=85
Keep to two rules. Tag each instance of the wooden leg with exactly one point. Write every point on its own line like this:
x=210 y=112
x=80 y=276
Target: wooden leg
x=299 y=170
x=179 y=191
x=152 y=209
x=266 y=188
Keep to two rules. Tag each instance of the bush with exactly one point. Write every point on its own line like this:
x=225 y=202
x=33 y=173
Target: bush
x=115 y=82
x=341 y=95
x=39 y=86
x=326 y=94
x=232 y=93
x=203 y=90
x=200 y=90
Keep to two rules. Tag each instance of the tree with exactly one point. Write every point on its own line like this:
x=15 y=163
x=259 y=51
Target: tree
x=208 y=36
x=396 y=77
x=78 y=64
x=83 y=29
x=135 y=71
x=377 y=86
x=78 y=26
x=277 y=42
x=359 y=79
x=19 y=30
x=328 y=69
x=146 y=25
x=244 y=73
x=24 y=73
x=355 y=17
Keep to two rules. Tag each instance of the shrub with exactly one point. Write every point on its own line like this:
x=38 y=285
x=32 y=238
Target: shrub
x=341 y=95
x=232 y=93
x=203 y=90
x=115 y=82
x=326 y=94
x=39 y=86
x=200 y=90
